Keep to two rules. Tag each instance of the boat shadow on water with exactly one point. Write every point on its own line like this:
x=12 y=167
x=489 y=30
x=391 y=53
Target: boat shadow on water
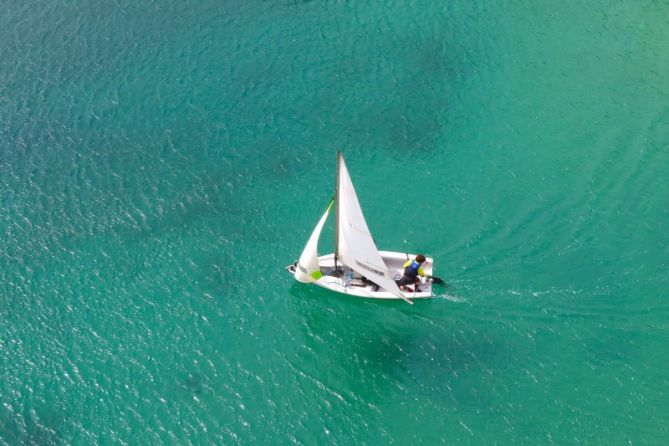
x=394 y=345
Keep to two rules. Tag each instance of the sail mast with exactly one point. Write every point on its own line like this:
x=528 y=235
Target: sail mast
x=336 y=222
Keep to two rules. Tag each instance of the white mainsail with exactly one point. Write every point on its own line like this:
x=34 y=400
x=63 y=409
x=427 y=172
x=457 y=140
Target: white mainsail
x=308 y=269
x=355 y=245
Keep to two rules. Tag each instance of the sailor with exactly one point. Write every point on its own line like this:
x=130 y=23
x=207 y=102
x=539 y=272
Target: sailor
x=412 y=269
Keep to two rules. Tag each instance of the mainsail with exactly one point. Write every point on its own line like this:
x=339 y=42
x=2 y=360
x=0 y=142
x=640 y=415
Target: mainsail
x=308 y=269
x=355 y=245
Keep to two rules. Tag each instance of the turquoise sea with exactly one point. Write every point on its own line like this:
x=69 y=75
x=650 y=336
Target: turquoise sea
x=162 y=161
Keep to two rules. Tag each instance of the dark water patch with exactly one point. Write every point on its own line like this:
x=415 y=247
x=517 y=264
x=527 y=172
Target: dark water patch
x=381 y=357
x=75 y=209
x=84 y=40
x=615 y=347
x=194 y=384
x=43 y=427
x=424 y=84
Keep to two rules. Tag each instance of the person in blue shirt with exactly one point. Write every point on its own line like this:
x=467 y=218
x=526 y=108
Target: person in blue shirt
x=412 y=269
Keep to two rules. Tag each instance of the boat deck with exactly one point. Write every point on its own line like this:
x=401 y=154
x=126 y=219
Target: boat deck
x=345 y=280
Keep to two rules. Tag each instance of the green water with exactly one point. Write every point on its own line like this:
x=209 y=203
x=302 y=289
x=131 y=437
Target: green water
x=161 y=162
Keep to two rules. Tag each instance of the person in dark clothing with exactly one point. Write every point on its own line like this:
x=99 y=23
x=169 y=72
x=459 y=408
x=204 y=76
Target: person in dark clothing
x=412 y=269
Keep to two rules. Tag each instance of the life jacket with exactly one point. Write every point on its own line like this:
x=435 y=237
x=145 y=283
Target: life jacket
x=411 y=271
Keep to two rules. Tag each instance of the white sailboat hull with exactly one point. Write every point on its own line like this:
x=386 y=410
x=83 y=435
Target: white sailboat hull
x=351 y=283
x=361 y=270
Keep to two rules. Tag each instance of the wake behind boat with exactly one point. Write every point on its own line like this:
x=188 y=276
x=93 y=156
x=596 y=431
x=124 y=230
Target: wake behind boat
x=356 y=267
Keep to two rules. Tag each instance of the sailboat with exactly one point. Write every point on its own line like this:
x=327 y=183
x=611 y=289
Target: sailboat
x=356 y=267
